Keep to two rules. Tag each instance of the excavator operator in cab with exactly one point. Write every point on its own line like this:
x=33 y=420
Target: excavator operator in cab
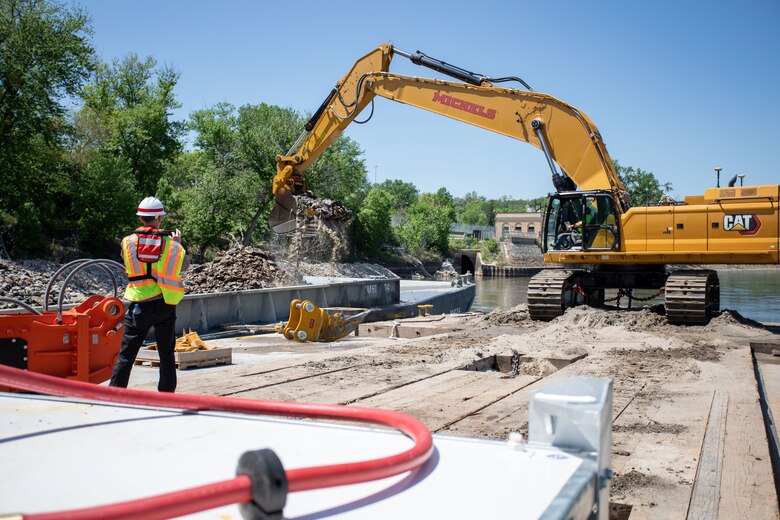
x=571 y=236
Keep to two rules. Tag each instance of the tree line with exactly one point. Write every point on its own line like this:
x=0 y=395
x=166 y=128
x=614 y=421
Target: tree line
x=82 y=141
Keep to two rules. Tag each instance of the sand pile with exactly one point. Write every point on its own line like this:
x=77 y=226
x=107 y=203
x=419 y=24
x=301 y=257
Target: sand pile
x=517 y=315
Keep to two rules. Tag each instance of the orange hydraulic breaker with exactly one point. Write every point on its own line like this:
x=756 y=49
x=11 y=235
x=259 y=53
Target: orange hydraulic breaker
x=81 y=343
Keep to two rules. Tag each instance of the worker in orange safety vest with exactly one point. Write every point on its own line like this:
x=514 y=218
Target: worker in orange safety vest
x=154 y=260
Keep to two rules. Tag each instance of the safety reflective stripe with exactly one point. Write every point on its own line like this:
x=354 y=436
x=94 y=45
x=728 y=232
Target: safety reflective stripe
x=132 y=265
x=169 y=272
x=171 y=285
x=169 y=279
x=144 y=283
x=148 y=243
x=174 y=260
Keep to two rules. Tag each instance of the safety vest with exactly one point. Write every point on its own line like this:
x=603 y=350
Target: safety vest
x=150 y=279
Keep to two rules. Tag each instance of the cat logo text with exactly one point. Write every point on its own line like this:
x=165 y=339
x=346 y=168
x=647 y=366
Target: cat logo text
x=745 y=224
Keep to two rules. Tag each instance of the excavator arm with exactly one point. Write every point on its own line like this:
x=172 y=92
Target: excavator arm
x=568 y=138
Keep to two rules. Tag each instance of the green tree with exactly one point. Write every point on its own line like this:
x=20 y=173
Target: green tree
x=506 y=204
x=260 y=132
x=402 y=194
x=229 y=186
x=642 y=185
x=472 y=209
x=210 y=192
x=340 y=173
x=127 y=113
x=45 y=56
x=372 y=227
x=427 y=224
x=490 y=211
x=106 y=205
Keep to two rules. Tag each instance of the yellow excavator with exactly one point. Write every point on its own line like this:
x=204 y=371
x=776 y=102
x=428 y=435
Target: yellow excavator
x=590 y=227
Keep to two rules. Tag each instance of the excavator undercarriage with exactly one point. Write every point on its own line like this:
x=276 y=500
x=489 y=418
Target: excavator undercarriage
x=692 y=297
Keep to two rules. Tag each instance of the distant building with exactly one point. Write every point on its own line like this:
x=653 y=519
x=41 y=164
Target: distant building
x=519 y=227
x=472 y=231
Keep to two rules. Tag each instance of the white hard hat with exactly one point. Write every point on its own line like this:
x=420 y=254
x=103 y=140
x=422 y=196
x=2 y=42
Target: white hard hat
x=151 y=207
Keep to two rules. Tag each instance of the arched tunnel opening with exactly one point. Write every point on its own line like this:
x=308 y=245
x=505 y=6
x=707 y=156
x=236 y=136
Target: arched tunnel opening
x=466 y=265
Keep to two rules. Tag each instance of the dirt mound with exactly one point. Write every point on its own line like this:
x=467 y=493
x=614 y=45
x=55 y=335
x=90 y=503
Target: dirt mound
x=650 y=427
x=621 y=483
x=700 y=352
x=238 y=269
x=730 y=318
x=515 y=316
x=643 y=320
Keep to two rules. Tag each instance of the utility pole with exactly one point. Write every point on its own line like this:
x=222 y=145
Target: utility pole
x=375 y=167
x=741 y=177
x=717 y=170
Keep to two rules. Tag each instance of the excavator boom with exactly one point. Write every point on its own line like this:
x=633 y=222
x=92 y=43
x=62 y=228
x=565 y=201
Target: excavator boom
x=568 y=138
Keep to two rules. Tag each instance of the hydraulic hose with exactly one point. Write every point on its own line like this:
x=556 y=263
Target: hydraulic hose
x=238 y=489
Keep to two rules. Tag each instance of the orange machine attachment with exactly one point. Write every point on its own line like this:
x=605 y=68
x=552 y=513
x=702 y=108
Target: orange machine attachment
x=81 y=343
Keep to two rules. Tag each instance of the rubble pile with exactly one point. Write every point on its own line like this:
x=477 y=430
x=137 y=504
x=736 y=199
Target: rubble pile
x=26 y=282
x=237 y=269
x=446 y=272
x=321 y=226
x=336 y=270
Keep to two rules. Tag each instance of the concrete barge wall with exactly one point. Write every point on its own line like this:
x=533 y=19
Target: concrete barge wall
x=205 y=313
x=208 y=312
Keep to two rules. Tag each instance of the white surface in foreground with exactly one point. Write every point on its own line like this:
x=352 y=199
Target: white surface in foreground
x=59 y=455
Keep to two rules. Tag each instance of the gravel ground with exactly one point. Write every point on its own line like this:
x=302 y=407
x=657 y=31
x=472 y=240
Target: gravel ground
x=237 y=269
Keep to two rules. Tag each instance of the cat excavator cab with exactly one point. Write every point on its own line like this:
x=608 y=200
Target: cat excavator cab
x=619 y=246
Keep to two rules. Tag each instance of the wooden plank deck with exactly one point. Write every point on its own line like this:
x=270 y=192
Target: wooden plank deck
x=688 y=432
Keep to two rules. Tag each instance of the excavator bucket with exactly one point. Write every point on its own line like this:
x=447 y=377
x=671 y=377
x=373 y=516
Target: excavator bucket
x=283 y=214
x=299 y=212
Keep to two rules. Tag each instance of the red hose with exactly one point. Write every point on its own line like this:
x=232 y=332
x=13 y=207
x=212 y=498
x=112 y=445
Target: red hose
x=236 y=490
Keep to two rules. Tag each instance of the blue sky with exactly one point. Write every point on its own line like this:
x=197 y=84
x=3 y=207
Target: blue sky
x=675 y=87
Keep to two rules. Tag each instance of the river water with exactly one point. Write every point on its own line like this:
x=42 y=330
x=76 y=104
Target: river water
x=755 y=294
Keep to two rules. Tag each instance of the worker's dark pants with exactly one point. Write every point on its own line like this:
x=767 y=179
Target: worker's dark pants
x=141 y=317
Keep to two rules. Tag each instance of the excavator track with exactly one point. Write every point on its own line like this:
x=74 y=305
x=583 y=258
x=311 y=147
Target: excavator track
x=549 y=294
x=692 y=297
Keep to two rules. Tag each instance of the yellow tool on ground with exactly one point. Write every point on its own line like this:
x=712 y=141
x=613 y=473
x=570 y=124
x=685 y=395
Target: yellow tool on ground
x=188 y=342
x=309 y=322
x=424 y=310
